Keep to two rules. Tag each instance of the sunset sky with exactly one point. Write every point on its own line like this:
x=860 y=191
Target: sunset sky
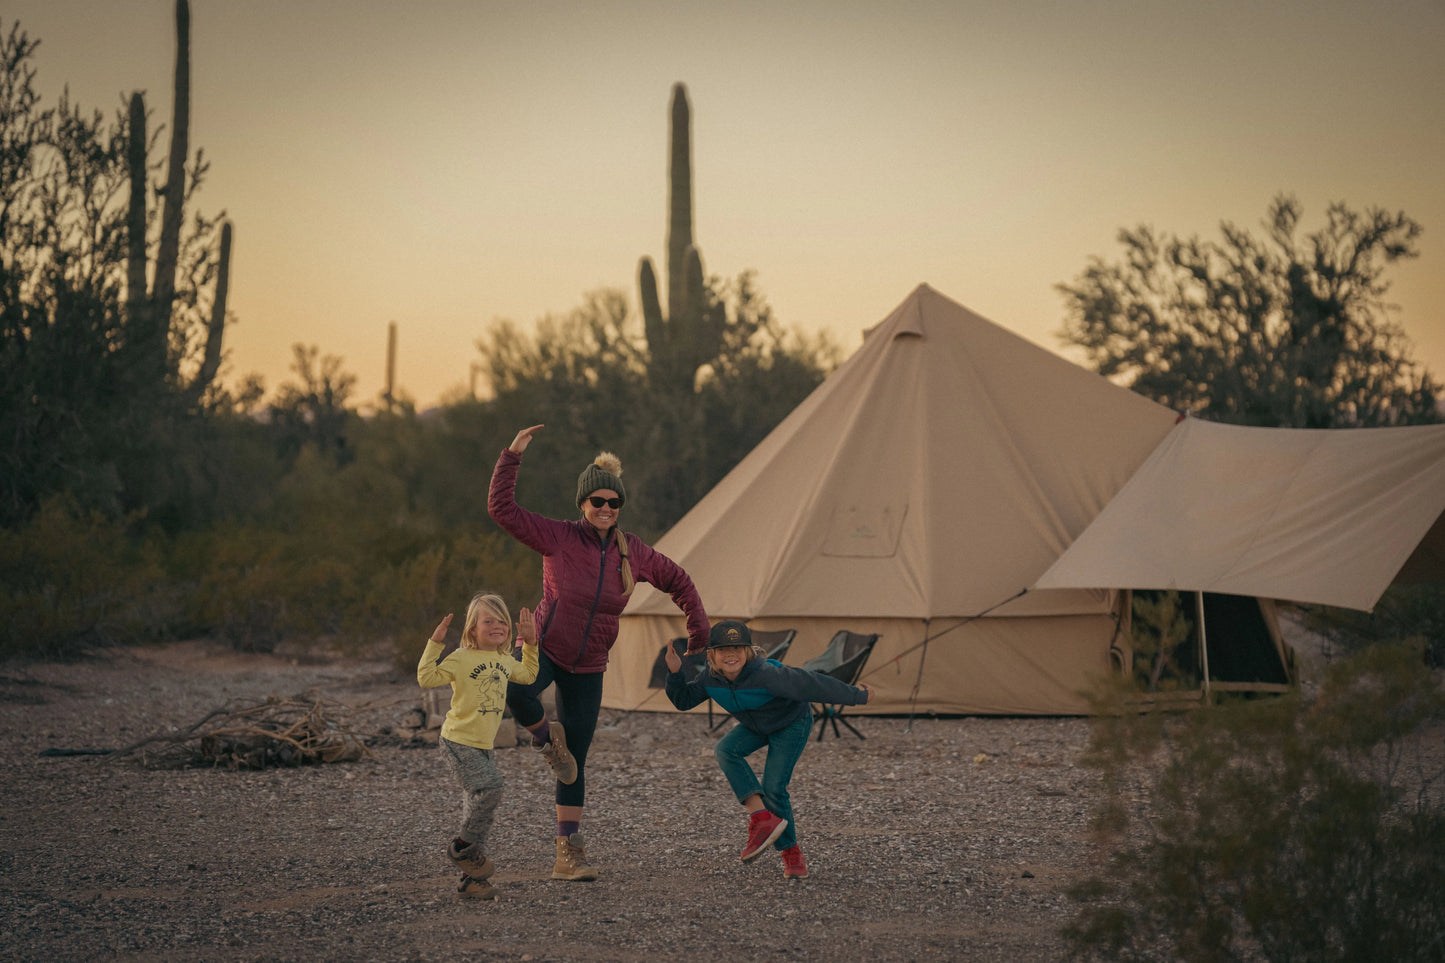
x=444 y=164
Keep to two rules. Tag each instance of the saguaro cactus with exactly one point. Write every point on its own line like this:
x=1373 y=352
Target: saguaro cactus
x=150 y=312
x=690 y=334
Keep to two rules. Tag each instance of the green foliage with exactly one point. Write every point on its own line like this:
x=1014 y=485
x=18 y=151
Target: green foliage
x=1412 y=612
x=71 y=580
x=1280 y=331
x=1160 y=626
x=185 y=508
x=312 y=411
x=84 y=408
x=1278 y=829
x=588 y=378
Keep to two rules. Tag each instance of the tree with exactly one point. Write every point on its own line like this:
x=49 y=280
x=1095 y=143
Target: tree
x=313 y=409
x=588 y=377
x=1277 y=331
x=95 y=401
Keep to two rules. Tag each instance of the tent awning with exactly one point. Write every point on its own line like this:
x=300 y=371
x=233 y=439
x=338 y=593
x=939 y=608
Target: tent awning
x=1322 y=516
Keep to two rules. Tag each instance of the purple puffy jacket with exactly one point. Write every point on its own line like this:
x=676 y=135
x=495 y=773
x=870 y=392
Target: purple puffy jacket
x=582 y=578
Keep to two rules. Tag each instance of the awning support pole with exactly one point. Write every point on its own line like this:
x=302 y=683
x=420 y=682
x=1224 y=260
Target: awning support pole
x=1203 y=643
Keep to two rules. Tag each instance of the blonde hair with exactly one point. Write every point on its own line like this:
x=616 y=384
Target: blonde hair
x=628 y=582
x=494 y=604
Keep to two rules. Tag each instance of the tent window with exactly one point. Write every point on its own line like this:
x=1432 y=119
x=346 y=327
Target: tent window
x=865 y=531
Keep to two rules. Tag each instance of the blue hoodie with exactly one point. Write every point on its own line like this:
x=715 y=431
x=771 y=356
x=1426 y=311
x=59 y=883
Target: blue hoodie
x=767 y=696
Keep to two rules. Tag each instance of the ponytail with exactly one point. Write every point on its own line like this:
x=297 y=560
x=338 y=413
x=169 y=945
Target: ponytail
x=628 y=582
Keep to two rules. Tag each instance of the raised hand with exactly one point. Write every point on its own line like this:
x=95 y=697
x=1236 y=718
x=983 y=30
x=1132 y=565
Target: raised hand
x=674 y=661
x=524 y=438
x=439 y=634
x=526 y=627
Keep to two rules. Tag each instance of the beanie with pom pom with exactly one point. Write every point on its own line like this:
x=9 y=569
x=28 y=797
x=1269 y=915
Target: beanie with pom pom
x=604 y=472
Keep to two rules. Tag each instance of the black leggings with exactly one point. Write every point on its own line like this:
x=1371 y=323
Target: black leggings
x=579 y=700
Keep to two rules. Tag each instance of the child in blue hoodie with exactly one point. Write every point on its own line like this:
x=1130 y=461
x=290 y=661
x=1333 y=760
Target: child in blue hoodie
x=772 y=703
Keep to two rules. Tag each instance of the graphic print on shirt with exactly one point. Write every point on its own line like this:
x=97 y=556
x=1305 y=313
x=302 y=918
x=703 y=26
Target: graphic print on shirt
x=491 y=682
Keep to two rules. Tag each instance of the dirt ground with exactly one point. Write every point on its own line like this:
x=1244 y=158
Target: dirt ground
x=951 y=839
x=931 y=839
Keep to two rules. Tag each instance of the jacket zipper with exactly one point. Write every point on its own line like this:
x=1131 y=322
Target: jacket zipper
x=596 y=601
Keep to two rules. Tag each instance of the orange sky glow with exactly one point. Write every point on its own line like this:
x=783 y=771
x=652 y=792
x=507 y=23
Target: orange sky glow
x=449 y=163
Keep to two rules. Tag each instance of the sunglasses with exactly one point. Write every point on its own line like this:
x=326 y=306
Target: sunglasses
x=609 y=502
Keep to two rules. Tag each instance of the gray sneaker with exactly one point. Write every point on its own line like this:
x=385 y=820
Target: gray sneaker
x=564 y=767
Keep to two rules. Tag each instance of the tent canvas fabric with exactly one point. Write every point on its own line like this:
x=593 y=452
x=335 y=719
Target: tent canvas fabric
x=933 y=476
x=1325 y=516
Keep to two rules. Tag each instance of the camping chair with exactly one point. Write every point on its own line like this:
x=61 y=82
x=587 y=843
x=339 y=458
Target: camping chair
x=843 y=659
x=774 y=642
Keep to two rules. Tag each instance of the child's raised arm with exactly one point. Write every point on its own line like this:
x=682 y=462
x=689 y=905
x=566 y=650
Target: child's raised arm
x=526 y=627
x=439 y=634
x=674 y=661
x=428 y=673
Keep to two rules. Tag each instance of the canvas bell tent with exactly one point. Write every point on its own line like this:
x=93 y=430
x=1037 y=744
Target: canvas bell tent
x=922 y=488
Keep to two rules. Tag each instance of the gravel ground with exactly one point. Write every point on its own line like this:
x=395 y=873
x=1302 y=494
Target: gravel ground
x=952 y=841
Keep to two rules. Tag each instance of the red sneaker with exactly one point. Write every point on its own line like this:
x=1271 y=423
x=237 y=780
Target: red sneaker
x=763 y=830
x=794 y=866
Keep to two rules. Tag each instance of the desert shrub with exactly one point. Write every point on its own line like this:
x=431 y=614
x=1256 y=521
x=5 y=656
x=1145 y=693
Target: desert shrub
x=409 y=599
x=255 y=586
x=1414 y=612
x=1278 y=829
x=71 y=579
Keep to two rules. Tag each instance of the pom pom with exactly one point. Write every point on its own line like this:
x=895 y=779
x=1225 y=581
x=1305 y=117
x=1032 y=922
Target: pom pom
x=609 y=463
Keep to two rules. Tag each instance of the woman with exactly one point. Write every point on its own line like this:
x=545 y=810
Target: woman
x=589 y=568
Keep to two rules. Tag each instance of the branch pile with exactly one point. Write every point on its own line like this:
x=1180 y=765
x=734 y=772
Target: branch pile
x=298 y=731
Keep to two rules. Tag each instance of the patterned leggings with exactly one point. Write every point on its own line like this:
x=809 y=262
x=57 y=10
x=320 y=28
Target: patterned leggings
x=579 y=700
x=481 y=783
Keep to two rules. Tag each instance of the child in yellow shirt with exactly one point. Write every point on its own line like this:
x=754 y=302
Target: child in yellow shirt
x=478 y=672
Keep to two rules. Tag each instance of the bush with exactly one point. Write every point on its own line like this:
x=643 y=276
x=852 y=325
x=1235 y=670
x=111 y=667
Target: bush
x=1275 y=829
x=70 y=580
x=1415 y=612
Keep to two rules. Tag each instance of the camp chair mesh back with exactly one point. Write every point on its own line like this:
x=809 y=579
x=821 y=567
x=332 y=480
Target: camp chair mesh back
x=843 y=659
x=774 y=642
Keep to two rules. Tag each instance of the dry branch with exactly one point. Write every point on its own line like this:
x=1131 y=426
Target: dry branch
x=297 y=731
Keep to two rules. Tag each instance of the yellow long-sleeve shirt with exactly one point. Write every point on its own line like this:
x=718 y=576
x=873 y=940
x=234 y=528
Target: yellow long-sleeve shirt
x=479 y=688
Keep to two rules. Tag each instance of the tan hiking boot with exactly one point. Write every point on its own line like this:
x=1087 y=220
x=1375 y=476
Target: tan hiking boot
x=470 y=859
x=564 y=767
x=572 y=860
x=476 y=888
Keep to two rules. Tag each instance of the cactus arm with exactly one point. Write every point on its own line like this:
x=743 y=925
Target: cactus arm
x=698 y=341
x=164 y=290
x=212 y=361
x=135 y=221
x=652 y=322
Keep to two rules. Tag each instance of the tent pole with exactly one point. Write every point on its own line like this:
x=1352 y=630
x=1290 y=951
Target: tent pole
x=1203 y=642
